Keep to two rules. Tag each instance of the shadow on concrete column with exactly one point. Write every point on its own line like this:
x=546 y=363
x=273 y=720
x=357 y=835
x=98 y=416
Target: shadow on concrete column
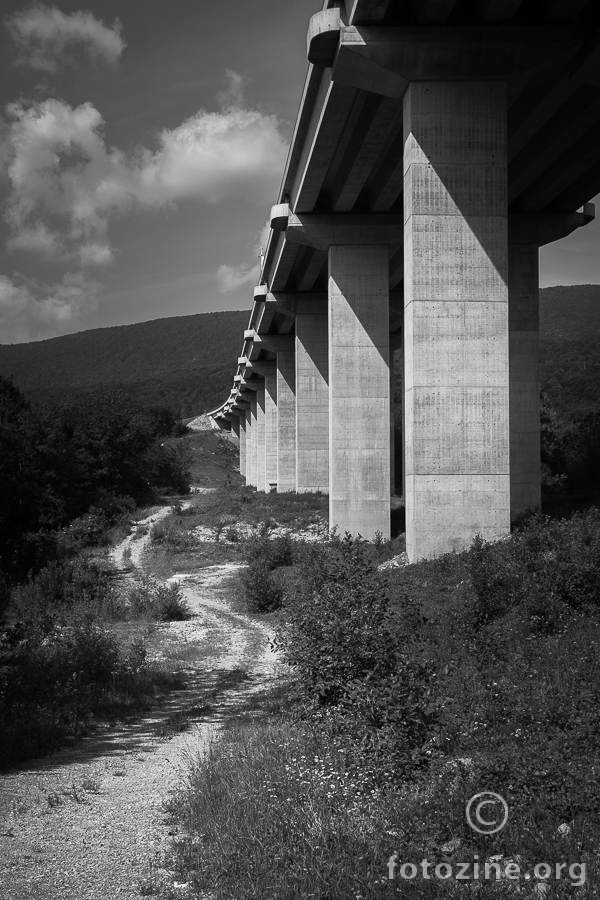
x=312 y=399
x=359 y=390
x=523 y=317
x=261 y=468
x=456 y=316
x=286 y=418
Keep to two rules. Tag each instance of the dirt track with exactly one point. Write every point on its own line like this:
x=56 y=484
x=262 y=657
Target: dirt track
x=89 y=823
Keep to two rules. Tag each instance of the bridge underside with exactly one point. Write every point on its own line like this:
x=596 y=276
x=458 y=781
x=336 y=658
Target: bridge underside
x=438 y=145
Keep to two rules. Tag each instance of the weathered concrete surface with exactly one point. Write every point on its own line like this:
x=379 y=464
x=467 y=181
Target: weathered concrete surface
x=286 y=418
x=251 y=442
x=359 y=391
x=312 y=400
x=243 y=444
x=525 y=450
x=261 y=469
x=270 y=374
x=456 y=316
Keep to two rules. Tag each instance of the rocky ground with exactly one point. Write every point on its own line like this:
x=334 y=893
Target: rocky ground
x=90 y=822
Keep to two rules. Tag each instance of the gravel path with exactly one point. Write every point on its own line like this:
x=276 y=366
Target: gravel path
x=89 y=823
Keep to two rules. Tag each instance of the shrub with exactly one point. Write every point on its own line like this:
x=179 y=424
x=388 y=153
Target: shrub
x=547 y=569
x=342 y=643
x=157 y=600
x=77 y=584
x=58 y=673
x=173 y=536
x=263 y=584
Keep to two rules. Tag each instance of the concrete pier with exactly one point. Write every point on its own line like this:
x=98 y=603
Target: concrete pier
x=455 y=316
x=433 y=154
x=251 y=443
x=242 y=421
x=286 y=417
x=312 y=398
x=359 y=391
x=269 y=371
x=261 y=459
x=523 y=317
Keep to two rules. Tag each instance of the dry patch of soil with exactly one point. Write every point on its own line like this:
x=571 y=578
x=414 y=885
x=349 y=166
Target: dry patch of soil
x=89 y=822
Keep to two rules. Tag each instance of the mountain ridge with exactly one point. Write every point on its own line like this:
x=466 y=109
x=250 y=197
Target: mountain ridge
x=186 y=362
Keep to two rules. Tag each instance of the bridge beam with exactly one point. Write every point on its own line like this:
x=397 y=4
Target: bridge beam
x=457 y=481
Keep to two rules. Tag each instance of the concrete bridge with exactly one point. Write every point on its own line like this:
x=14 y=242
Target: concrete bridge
x=438 y=145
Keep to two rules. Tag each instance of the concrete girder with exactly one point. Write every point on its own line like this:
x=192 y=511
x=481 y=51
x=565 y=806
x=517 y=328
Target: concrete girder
x=273 y=343
x=558 y=137
x=362 y=158
x=431 y=12
x=562 y=174
x=263 y=367
x=367 y=12
x=330 y=112
x=547 y=94
x=324 y=230
x=250 y=385
x=559 y=11
x=587 y=185
x=547 y=227
x=312 y=271
x=386 y=60
x=283 y=262
x=499 y=10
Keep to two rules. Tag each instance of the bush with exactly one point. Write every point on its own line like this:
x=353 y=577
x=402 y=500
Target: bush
x=342 y=643
x=263 y=585
x=57 y=674
x=173 y=536
x=77 y=584
x=546 y=570
x=157 y=600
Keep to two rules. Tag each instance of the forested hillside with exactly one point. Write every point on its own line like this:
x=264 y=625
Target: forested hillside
x=184 y=362
x=187 y=362
x=570 y=347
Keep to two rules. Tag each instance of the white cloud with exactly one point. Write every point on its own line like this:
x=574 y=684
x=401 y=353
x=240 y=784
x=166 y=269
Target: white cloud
x=37 y=239
x=45 y=37
x=233 y=95
x=30 y=311
x=66 y=183
x=230 y=278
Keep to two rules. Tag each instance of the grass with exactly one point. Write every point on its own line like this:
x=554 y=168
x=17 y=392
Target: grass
x=355 y=762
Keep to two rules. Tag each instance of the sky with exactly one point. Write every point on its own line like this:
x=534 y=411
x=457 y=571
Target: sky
x=142 y=145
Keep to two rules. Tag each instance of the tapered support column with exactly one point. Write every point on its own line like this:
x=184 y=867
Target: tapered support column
x=260 y=439
x=312 y=400
x=242 y=421
x=286 y=418
x=251 y=441
x=359 y=390
x=525 y=452
x=270 y=374
x=456 y=316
